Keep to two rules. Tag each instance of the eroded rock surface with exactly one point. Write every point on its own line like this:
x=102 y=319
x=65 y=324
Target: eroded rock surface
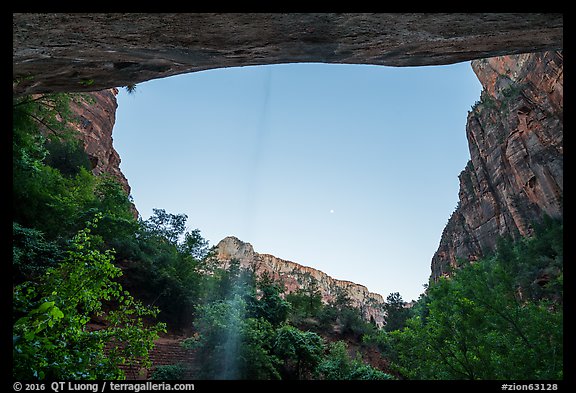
x=515 y=175
x=95 y=117
x=295 y=276
x=89 y=52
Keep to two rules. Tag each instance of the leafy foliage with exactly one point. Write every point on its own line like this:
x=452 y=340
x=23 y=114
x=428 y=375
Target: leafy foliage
x=299 y=350
x=309 y=312
x=490 y=321
x=396 y=312
x=244 y=333
x=233 y=346
x=32 y=254
x=67 y=156
x=306 y=301
x=168 y=269
x=338 y=365
x=54 y=191
x=130 y=89
x=169 y=372
x=64 y=277
x=166 y=226
x=267 y=302
x=51 y=337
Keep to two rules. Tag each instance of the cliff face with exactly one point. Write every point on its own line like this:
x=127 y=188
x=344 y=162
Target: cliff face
x=295 y=276
x=96 y=116
x=515 y=174
x=94 y=51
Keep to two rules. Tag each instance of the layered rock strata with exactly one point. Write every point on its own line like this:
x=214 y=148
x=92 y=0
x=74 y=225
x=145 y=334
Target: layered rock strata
x=515 y=175
x=93 y=51
x=295 y=276
x=95 y=115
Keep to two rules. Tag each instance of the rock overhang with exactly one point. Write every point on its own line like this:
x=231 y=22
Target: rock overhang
x=93 y=51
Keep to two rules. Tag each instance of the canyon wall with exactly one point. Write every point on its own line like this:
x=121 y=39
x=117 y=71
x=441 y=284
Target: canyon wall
x=95 y=115
x=94 y=51
x=515 y=175
x=295 y=276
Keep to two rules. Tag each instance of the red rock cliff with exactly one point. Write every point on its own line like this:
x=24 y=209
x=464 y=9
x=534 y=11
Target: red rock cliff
x=95 y=117
x=515 y=174
x=295 y=276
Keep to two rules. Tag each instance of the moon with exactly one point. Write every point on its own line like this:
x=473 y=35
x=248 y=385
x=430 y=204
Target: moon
x=331 y=211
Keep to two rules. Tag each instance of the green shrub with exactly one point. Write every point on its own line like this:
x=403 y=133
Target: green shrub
x=170 y=372
x=338 y=365
x=50 y=333
x=499 y=318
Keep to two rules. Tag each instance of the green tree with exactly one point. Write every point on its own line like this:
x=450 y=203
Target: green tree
x=352 y=323
x=306 y=303
x=267 y=301
x=118 y=226
x=396 y=312
x=163 y=265
x=223 y=283
x=301 y=351
x=194 y=245
x=68 y=156
x=54 y=190
x=165 y=225
x=32 y=254
x=485 y=323
x=49 y=113
x=257 y=358
x=338 y=365
x=51 y=336
x=233 y=346
x=39 y=190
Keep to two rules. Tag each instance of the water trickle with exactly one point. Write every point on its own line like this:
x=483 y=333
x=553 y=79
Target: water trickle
x=232 y=335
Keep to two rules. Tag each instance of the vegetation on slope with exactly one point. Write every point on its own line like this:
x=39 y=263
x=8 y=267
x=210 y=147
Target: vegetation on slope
x=498 y=318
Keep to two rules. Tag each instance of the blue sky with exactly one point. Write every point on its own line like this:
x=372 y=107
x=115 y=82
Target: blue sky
x=350 y=169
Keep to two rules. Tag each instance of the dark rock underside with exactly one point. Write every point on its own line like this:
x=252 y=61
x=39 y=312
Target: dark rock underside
x=89 y=52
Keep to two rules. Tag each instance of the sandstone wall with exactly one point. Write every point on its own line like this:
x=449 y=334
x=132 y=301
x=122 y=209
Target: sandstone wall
x=95 y=117
x=515 y=174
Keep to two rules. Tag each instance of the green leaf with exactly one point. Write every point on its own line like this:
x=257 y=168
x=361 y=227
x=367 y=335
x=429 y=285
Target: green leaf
x=43 y=307
x=56 y=313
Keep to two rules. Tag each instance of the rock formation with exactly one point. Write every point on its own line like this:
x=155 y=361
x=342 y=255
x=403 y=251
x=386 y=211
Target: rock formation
x=94 y=51
x=96 y=115
x=515 y=174
x=295 y=276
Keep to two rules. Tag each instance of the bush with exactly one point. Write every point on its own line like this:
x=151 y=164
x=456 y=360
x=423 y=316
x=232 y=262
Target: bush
x=170 y=372
x=301 y=351
x=50 y=333
x=338 y=365
x=498 y=318
x=32 y=254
